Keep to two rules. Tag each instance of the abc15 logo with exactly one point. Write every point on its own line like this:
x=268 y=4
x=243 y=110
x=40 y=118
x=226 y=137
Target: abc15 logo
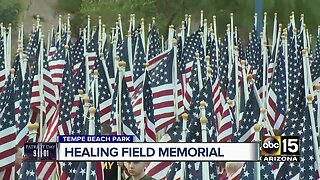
x=280 y=145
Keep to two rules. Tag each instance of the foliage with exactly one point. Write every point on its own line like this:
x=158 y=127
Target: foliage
x=10 y=11
x=173 y=12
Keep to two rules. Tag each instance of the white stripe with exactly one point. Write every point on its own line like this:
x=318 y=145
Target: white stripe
x=4 y=133
x=7 y=160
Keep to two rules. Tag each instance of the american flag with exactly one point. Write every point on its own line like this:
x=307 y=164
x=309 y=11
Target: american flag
x=69 y=169
x=128 y=121
x=105 y=98
x=23 y=119
x=7 y=127
x=93 y=50
x=223 y=65
x=175 y=172
x=159 y=170
x=248 y=171
x=49 y=89
x=94 y=174
x=188 y=60
x=308 y=167
x=17 y=88
x=227 y=125
x=216 y=90
x=66 y=99
x=315 y=64
x=77 y=54
x=150 y=130
x=123 y=52
x=2 y=66
x=193 y=87
x=163 y=90
x=78 y=83
x=194 y=127
x=138 y=65
x=254 y=50
x=294 y=122
x=277 y=101
x=28 y=169
x=154 y=42
x=96 y=171
x=32 y=47
x=250 y=117
x=56 y=65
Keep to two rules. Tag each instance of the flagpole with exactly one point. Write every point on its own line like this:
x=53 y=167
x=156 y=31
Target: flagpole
x=122 y=66
x=244 y=77
x=92 y=112
x=142 y=123
x=318 y=107
x=130 y=51
x=86 y=61
x=120 y=26
x=143 y=34
x=205 y=36
x=199 y=71
x=12 y=73
x=175 y=78
x=286 y=55
x=189 y=24
x=162 y=43
x=184 y=139
x=96 y=84
x=256 y=93
x=257 y=129
x=216 y=39
x=204 y=121
x=9 y=46
x=88 y=31
x=313 y=127
x=42 y=103
x=85 y=107
x=104 y=65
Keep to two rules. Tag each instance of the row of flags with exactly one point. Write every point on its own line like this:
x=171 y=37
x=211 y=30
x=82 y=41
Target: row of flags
x=141 y=86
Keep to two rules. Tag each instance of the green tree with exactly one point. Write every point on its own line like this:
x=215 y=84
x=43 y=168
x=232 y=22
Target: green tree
x=173 y=12
x=10 y=11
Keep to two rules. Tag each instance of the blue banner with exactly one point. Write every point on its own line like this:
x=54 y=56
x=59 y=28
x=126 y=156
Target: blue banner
x=96 y=138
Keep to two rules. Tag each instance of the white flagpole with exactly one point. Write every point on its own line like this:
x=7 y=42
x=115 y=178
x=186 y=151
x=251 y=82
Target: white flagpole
x=95 y=89
x=216 y=38
x=120 y=26
x=257 y=129
x=42 y=103
x=175 y=78
x=104 y=65
x=88 y=32
x=199 y=71
x=92 y=112
x=318 y=107
x=201 y=18
x=122 y=66
x=143 y=34
x=313 y=127
x=256 y=93
x=204 y=121
x=9 y=46
x=86 y=105
x=184 y=139
x=189 y=25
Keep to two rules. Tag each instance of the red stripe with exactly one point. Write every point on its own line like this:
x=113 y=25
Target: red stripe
x=158 y=168
x=163 y=93
x=169 y=103
x=7 y=166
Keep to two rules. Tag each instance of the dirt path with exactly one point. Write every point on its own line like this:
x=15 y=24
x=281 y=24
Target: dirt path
x=30 y=10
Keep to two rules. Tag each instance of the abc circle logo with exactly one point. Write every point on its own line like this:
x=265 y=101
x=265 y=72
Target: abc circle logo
x=271 y=145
